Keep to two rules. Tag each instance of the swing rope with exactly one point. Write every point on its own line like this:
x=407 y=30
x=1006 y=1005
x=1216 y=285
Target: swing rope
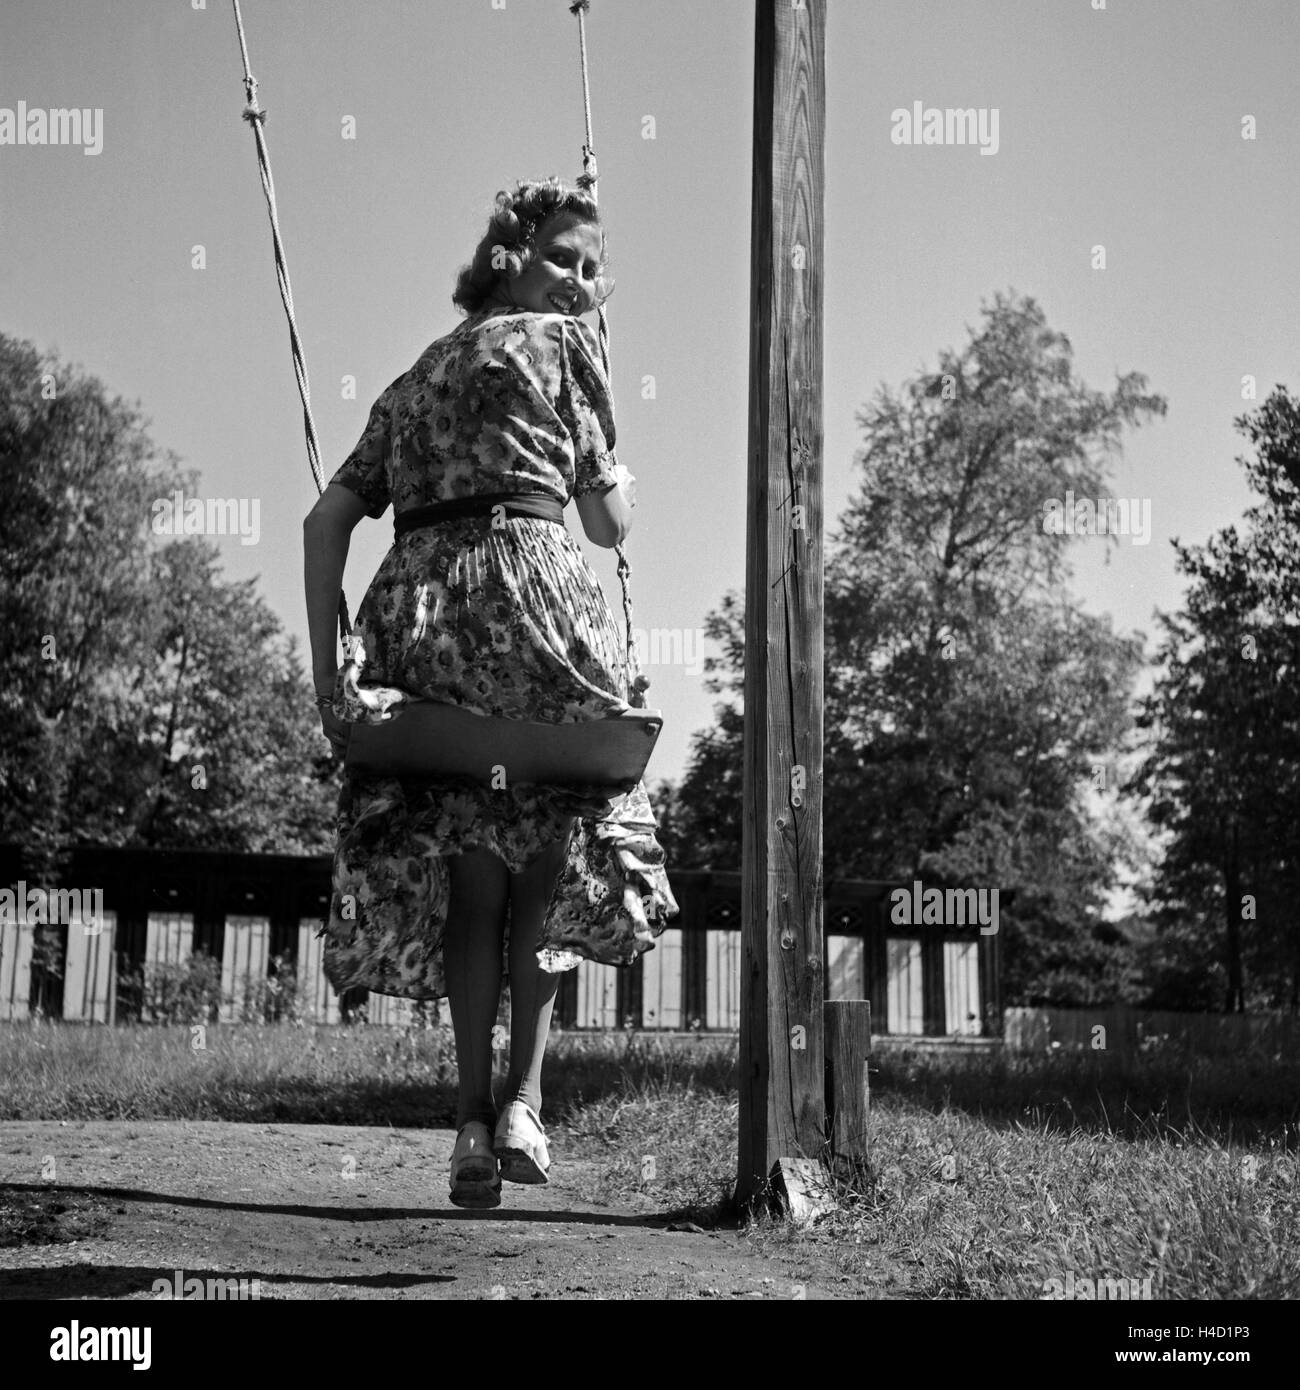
x=637 y=682
x=256 y=118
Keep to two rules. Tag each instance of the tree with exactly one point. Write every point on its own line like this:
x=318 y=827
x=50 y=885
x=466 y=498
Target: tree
x=1222 y=777
x=968 y=698
x=79 y=472
x=214 y=741
x=129 y=664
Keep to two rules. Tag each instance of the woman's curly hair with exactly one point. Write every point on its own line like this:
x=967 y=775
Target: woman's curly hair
x=511 y=238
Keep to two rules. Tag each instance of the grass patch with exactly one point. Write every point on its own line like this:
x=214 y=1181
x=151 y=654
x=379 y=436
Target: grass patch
x=317 y=1074
x=990 y=1174
x=1165 y=1091
x=983 y=1211
x=986 y=1175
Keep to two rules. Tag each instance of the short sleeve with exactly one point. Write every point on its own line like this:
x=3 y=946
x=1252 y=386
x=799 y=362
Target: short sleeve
x=364 y=471
x=587 y=409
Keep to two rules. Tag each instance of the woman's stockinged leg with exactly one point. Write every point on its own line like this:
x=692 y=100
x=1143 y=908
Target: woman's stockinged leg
x=532 y=989
x=471 y=951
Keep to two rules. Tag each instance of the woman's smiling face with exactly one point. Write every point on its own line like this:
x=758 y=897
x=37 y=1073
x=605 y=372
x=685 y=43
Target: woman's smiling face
x=561 y=278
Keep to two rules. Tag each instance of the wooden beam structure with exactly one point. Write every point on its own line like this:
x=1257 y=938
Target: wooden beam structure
x=848 y=1090
x=782 y=1097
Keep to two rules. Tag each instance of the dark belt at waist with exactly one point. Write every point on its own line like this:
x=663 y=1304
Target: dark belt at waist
x=515 y=504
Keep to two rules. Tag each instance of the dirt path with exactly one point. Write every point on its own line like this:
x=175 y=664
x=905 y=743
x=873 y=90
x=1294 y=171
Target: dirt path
x=128 y=1203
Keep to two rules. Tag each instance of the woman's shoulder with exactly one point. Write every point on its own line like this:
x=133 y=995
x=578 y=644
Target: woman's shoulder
x=545 y=348
x=482 y=331
x=526 y=323
x=550 y=342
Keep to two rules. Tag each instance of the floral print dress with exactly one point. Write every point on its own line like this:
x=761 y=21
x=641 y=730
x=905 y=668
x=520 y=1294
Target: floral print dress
x=507 y=619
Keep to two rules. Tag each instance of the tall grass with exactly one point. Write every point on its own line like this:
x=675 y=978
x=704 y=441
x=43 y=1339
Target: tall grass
x=1166 y=1091
x=990 y=1175
x=314 y=1073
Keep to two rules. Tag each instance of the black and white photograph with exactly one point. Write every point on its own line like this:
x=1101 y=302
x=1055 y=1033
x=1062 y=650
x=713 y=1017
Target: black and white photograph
x=651 y=653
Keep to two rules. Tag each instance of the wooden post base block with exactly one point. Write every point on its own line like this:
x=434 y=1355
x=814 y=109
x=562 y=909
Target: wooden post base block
x=802 y=1189
x=848 y=1047
x=430 y=740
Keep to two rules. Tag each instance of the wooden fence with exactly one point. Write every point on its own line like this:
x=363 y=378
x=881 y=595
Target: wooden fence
x=249 y=912
x=1133 y=1031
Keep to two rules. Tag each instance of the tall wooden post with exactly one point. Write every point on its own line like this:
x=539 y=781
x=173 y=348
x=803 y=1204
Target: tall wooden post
x=782 y=1105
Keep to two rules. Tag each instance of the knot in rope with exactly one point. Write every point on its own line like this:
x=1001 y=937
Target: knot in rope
x=252 y=112
x=580 y=5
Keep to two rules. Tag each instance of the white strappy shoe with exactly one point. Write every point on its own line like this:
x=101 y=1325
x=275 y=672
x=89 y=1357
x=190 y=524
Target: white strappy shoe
x=475 y=1181
x=520 y=1145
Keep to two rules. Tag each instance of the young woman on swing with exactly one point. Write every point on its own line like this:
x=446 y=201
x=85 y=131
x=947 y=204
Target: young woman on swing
x=437 y=883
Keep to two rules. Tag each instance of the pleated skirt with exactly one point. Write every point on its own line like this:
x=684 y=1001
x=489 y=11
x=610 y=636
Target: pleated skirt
x=508 y=620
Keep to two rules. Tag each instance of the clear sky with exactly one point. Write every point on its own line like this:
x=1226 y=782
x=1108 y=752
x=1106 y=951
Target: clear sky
x=1120 y=127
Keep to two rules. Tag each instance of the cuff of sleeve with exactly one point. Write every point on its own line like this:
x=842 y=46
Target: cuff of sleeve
x=600 y=478
x=374 y=509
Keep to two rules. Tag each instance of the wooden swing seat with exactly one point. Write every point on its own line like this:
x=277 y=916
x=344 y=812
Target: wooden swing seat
x=432 y=740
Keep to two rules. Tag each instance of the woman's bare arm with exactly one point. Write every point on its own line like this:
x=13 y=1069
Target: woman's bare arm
x=326 y=533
